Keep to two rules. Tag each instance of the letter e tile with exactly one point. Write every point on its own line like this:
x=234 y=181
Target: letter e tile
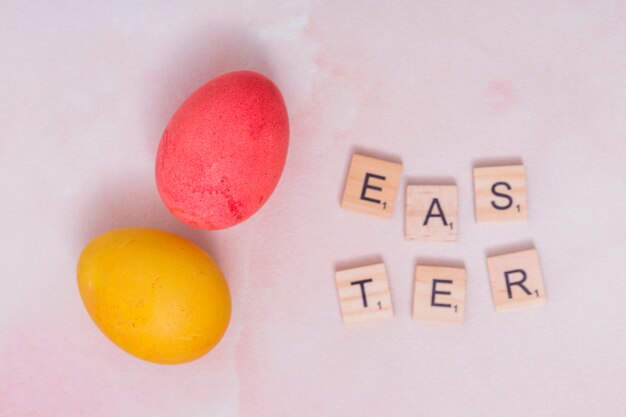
x=371 y=186
x=439 y=294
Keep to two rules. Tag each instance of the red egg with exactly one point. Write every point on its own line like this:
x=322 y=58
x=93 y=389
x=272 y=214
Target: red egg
x=223 y=151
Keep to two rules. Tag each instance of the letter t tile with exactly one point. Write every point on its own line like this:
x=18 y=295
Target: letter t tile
x=364 y=294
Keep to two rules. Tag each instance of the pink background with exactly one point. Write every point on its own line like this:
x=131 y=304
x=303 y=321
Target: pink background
x=86 y=88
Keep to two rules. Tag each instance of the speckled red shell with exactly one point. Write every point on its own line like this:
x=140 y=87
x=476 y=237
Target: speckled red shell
x=223 y=151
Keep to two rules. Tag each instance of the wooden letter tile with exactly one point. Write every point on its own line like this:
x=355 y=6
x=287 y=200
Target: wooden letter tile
x=364 y=294
x=371 y=186
x=431 y=213
x=500 y=194
x=516 y=280
x=439 y=294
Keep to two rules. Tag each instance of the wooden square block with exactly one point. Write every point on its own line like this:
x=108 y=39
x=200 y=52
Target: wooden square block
x=500 y=194
x=516 y=280
x=439 y=294
x=431 y=213
x=371 y=186
x=364 y=294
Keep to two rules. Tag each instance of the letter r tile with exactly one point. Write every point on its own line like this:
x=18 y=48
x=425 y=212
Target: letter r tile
x=364 y=294
x=371 y=186
x=516 y=280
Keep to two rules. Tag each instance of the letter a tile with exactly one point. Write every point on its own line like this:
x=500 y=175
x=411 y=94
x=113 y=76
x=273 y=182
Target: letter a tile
x=500 y=194
x=364 y=294
x=371 y=186
x=516 y=280
x=431 y=213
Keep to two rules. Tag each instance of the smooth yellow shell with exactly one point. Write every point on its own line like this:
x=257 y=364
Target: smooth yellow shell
x=154 y=294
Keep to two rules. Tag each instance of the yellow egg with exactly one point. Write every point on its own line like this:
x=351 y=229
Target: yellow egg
x=154 y=294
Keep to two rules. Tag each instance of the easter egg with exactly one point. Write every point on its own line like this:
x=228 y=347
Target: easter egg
x=223 y=151
x=154 y=294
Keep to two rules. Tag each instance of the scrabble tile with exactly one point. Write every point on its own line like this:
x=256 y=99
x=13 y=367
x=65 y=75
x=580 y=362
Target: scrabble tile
x=439 y=294
x=431 y=213
x=516 y=280
x=500 y=194
x=371 y=186
x=364 y=294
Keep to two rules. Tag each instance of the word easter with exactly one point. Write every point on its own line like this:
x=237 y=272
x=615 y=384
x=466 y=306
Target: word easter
x=432 y=215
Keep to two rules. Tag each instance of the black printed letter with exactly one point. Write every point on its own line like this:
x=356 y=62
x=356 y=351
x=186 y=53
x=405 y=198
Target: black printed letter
x=366 y=185
x=435 y=292
x=362 y=284
x=430 y=212
x=508 y=197
x=519 y=283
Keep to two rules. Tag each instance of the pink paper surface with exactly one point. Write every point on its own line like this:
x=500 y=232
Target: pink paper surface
x=86 y=90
